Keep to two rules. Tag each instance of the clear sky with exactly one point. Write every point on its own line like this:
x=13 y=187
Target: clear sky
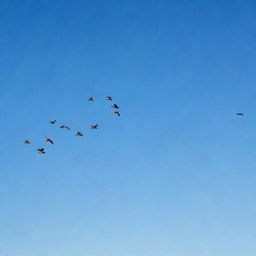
x=175 y=175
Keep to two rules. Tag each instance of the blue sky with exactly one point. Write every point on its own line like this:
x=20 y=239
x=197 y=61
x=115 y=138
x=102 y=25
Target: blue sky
x=175 y=175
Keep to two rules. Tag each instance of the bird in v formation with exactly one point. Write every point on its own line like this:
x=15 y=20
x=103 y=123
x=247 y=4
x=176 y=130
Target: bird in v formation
x=80 y=134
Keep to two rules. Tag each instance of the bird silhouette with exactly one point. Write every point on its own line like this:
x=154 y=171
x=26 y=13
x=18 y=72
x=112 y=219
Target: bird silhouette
x=239 y=114
x=41 y=151
x=94 y=126
x=117 y=113
x=49 y=140
x=115 y=106
x=64 y=126
x=78 y=133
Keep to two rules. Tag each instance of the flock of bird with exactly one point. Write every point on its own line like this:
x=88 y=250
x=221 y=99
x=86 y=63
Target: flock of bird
x=95 y=126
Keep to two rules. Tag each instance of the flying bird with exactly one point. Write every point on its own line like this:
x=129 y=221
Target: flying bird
x=64 y=126
x=109 y=98
x=239 y=114
x=115 y=106
x=52 y=122
x=117 y=113
x=41 y=151
x=27 y=142
x=49 y=140
x=94 y=126
x=79 y=134
x=91 y=99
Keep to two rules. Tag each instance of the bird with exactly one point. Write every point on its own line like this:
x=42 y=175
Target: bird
x=239 y=114
x=49 y=140
x=90 y=99
x=41 y=151
x=94 y=126
x=64 y=126
x=115 y=106
x=79 y=134
x=117 y=113
x=52 y=122
x=109 y=98
x=27 y=142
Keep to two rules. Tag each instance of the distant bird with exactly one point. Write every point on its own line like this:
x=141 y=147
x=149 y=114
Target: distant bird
x=91 y=99
x=79 y=134
x=49 y=140
x=94 y=126
x=41 y=151
x=64 y=126
x=115 y=106
x=109 y=98
x=52 y=122
x=27 y=142
x=239 y=114
x=117 y=113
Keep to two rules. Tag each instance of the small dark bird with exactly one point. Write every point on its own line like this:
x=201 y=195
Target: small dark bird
x=109 y=98
x=41 y=151
x=79 y=134
x=52 y=122
x=49 y=140
x=64 y=126
x=94 y=126
x=91 y=99
x=117 y=113
x=239 y=114
x=115 y=106
x=27 y=142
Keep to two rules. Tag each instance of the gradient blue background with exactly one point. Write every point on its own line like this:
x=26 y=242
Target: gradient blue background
x=175 y=175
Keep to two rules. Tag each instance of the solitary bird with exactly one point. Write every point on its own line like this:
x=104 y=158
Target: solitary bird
x=117 y=113
x=115 y=106
x=239 y=114
x=64 y=126
x=52 y=122
x=49 y=140
x=109 y=98
x=91 y=99
x=27 y=142
x=94 y=126
x=79 y=134
x=41 y=151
